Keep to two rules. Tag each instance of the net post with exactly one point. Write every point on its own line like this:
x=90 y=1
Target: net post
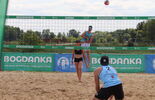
x=3 y=12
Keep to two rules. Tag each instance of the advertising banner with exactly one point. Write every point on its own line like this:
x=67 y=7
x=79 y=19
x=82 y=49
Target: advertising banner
x=63 y=62
x=27 y=61
x=150 y=64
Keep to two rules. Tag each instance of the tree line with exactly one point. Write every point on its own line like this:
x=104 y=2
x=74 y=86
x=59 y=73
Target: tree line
x=142 y=35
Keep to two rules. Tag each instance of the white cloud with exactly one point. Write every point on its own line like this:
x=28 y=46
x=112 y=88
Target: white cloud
x=78 y=8
x=81 y=7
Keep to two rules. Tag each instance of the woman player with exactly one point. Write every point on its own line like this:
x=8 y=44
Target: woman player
x=78 y=55
x=112 y=85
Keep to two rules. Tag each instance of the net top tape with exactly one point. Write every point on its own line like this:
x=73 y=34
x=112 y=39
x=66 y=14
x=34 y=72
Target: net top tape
x=84 y=17
x=76 y=47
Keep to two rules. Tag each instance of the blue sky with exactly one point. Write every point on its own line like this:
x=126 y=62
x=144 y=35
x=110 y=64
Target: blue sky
x=82 y=7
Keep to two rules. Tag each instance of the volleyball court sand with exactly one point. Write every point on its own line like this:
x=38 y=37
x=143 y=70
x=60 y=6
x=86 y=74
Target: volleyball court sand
x=64 y=86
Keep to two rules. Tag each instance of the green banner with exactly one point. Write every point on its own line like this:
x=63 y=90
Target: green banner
x=85 y=17
x=77 y=47
x=45 y=62
x=28 y=61
x=122 y=63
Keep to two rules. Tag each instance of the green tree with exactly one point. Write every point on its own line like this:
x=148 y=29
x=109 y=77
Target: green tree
x=141 y=36
x=119 y=34
x=30 y=38
x=59 y=36
x=71 y=39
x=150 y=30
x=64 y=39
x=140 y=26
x=131 y=34
x=73 y=33
x=12 y=33
x=52 y=35
x=103 y=38
x=46 y=35
x=38 y=34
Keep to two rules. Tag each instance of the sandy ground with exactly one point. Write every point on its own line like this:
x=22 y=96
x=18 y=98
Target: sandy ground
x=65 y=86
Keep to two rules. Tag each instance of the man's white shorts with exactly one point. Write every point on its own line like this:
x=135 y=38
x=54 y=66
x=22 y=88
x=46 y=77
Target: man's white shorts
x=85 y=45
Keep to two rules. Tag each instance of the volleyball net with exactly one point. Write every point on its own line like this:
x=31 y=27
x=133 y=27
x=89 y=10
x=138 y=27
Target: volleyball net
x=61 y=32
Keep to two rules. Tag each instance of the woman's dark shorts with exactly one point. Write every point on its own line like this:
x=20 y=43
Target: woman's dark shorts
x=78 y=59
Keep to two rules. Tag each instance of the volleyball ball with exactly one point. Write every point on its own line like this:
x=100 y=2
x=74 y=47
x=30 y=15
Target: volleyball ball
x=106 y=2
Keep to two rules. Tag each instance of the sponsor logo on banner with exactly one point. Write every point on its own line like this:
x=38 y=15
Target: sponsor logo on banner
x=27 y=59
x=123 y=63
x=120 y=60
x=63 y=62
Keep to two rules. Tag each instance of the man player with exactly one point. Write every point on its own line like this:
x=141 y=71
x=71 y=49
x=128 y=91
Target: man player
x=86 y=40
